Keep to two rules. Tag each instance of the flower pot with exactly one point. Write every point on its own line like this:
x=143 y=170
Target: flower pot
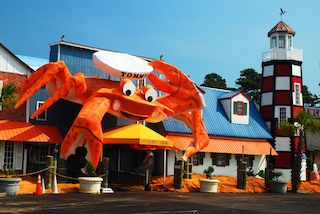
x=10 y=185
x=209 y=185
x=278 y=186
x=90 y=184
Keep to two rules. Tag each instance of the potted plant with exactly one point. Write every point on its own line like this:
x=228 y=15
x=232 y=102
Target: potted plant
x=91 y=183
x=10 y=183
x=208 y=184
x=276 y=185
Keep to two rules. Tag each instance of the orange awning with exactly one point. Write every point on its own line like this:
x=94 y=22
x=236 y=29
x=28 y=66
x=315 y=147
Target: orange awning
x=217 y=145
x=21 y=131
x=136 y=134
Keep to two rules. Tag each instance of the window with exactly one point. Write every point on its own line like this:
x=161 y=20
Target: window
x=240 y=108
x=297 y=93
x=282 y=42
x=198 y=158
x=40 y=152
x=246 y=158
x=221 y=160
x=283 y=113
x=8 y=154
x=273 y=42
x=43 y=115
x=289 y=42
x=195 y=158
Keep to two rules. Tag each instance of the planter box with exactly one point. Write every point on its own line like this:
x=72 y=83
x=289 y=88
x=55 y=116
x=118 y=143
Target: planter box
x=278 y=186
x=208 y=185
x=90 y=184
x=10 y=185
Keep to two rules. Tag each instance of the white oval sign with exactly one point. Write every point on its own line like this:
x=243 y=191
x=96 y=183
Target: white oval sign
x=121 y=65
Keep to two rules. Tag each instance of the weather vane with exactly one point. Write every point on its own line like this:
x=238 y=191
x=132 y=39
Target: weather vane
x=282 y=12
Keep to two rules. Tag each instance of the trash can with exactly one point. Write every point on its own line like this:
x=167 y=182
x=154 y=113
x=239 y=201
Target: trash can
x=178 y=174
x=242 y=176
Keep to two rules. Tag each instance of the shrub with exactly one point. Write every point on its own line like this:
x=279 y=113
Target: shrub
x=90 y=169
x=8 y=171
x=208 y=172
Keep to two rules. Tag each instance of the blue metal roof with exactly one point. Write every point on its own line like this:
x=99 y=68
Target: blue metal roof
x=33 y=61
x=229 y=94
x=217 y=123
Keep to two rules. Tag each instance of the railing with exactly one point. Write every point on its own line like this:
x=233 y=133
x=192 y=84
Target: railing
x=273 y=54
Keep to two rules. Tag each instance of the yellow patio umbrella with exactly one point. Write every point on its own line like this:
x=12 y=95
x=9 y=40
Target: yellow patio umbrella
x=136 y=134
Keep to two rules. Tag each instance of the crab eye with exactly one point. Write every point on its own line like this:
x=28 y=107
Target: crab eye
x=128 y=88
x=149 y=93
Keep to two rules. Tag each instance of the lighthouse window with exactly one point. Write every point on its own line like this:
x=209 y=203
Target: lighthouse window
x=283 y=113
x=273 y=42
x=289 y=42
x=297 y=93
x=282 y=42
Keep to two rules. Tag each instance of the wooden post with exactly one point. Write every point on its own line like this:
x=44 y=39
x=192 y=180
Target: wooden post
x=104 y=169
x=188 y=168
x=62 y=170
x=49 y=173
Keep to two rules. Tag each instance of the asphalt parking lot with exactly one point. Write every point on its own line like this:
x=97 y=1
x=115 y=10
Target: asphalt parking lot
x=162 y=202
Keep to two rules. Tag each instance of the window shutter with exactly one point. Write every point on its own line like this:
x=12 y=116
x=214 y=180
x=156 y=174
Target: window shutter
x=214 y=158
x=228 y=157
x=235 y=108
x=201 y=156
x=245 y=108
x=18 y=148
x=251 y=158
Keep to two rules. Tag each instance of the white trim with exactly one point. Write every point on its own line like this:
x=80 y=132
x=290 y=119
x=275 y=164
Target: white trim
x=296 y=70
x=268 y=71
x=266 y=98
x=283 y=83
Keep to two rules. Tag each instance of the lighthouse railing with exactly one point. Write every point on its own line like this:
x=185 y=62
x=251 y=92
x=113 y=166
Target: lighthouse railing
x=274 y=54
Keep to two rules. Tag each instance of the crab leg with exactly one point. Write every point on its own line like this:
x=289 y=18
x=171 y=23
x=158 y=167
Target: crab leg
x=77 y=82
x=194 y=122
x=87 y=127
x=42 y=76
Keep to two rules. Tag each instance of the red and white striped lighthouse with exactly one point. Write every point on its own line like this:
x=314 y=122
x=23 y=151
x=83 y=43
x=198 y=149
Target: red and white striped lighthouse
x=281 y=92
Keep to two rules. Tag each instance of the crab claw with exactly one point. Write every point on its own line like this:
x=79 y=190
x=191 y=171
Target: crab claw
x=172 y=74
x=86 y=129
x=42 y=76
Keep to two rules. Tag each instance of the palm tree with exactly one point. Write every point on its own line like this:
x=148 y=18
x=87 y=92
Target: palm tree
x=9 y=96
x=303 y=123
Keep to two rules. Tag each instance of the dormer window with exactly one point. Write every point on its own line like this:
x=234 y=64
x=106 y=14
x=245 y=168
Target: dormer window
x=236 y=105
x=240 y=108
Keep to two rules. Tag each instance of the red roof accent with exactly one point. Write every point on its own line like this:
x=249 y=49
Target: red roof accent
x=228 y=146
x=21 y=131
x=281 y=27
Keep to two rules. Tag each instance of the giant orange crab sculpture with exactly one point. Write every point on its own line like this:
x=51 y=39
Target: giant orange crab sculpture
x=182 y=100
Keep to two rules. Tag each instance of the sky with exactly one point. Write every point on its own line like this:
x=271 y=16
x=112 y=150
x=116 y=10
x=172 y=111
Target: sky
x=198 y=37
